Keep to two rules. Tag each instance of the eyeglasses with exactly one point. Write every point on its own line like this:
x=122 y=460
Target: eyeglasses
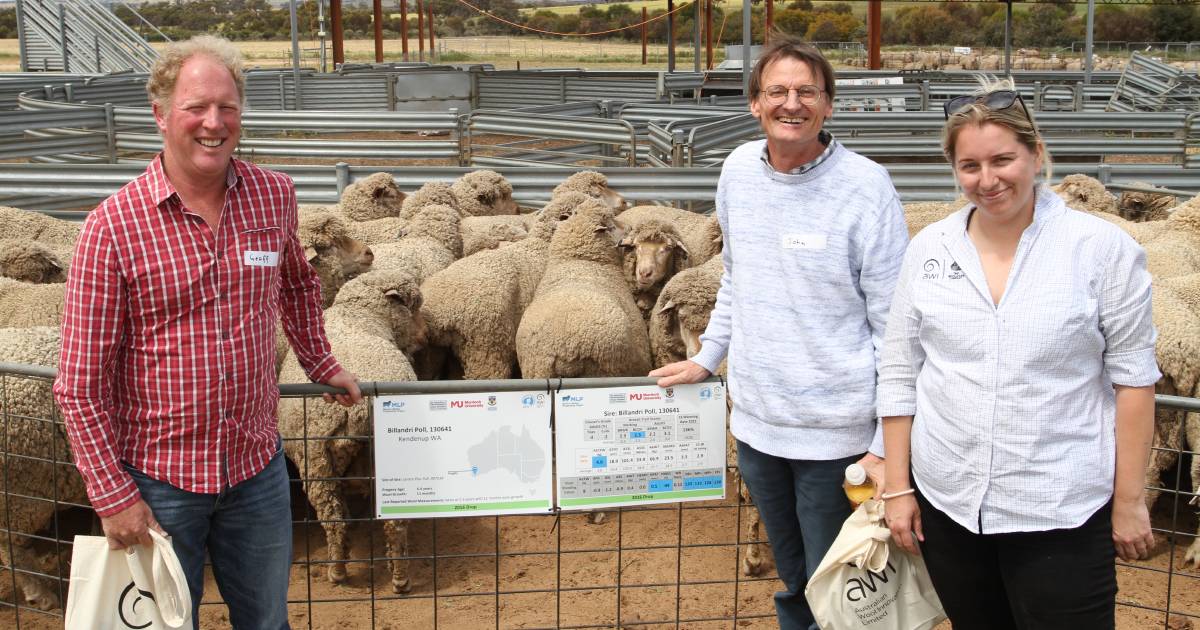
x=995 y=101
x=778 y=94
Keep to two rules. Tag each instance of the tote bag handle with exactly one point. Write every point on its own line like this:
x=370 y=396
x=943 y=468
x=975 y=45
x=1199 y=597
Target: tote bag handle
x=167 y=581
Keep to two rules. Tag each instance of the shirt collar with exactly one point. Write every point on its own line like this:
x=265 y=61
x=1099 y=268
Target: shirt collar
x=161 y=189
x=1047 y=205
x=826 y=139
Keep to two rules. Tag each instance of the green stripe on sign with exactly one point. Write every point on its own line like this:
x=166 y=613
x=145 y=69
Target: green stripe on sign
x=649 y=496
x=465 y=507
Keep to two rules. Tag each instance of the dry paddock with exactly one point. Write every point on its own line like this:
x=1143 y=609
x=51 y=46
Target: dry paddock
x=672 y=566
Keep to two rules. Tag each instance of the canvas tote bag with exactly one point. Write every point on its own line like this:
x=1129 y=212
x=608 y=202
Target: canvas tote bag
x=128 y=589
x=866 y=582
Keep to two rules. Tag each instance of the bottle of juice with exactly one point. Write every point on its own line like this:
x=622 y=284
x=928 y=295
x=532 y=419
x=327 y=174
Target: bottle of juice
x=858 y=487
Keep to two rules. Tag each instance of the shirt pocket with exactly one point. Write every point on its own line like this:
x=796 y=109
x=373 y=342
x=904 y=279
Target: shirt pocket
x=258 y=257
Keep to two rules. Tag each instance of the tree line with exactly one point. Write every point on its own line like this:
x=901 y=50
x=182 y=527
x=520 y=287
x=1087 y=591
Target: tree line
x=1047 y=24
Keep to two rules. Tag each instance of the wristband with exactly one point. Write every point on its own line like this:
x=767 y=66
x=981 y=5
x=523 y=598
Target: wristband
x=892 y=495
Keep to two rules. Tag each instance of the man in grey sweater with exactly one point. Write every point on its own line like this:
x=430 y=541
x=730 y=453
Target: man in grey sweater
x=814 y=237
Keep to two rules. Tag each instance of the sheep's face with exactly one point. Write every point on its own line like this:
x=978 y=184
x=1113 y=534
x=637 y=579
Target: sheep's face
x=388 y=196
x=351 y=256
x=409 y=331
x=1139 y=206
x=654 y=260
x=36 y=267
x=612 y=199
x=501 y=202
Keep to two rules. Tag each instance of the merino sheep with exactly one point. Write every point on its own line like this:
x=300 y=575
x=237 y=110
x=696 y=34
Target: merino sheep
x=375 y=196
x=432 y=193
x=582 y=321
x=1086 y=193
x=922 y=214
x=31 y=261
x=432 y=241
x=25 y=304
x=1174 y=247
x=594 y=185
x=701 y=233
x=373 y=327
x=653 y=252
x=480 y=233
x=35 y=226
x=1144 y=206
x=30 y=444
x=484 y=193
x=332 y=250
x=474 y=306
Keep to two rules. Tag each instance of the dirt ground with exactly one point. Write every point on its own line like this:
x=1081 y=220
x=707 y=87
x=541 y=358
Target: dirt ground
x=656 y=549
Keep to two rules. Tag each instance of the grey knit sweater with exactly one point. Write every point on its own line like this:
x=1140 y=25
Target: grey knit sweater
x=810 y=264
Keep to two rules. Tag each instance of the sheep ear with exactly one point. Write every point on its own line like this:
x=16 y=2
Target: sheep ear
x=678 y=244
x=626 y=242
x=310 y=253
x=378 y=192
x=410 y=300
x=668 y=306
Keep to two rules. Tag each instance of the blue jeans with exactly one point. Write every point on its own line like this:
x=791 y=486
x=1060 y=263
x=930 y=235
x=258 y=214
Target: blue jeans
x=803 y=506
x=247 y=531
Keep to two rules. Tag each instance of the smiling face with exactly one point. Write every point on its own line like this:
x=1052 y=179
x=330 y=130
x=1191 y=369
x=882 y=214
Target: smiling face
x=996 y=171
x=792 y=127
x=200 y=124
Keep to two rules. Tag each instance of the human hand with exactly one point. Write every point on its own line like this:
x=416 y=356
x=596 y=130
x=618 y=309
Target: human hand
x=904 y=519
x=686 y=371
x=1131 y=529
x=347 y=381
x=130 y=526
x=874 y=465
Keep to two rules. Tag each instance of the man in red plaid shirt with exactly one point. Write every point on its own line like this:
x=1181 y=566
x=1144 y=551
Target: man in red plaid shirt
x=167 y=373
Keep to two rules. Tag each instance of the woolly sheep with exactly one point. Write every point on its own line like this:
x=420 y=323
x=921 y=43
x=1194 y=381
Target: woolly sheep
x=484 y=193
x=594 y=185
x=35 y=226
x=920 y=215
x=30 y=443
x=373 y=327
x=1086 y=193
x=652 y=253
x=432 y=241
x=31 y=261
x=375 y=196
x=1187 y=290
x=439 y=193
x=480 y=233
x=474 y=306
x=582 y=321
x=701 y=233
x=25 y=304
x=1144 y=206
x=1174 y=250
x=330 y=248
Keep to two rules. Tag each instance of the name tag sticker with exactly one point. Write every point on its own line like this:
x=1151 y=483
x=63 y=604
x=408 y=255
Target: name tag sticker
x=261 y=259
x=803 y=241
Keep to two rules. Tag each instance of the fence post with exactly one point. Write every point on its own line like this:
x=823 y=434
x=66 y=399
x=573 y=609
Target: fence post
x=99 y=67
x=69 y=91
x=282 y=94
x=62 y=36
x=562 y=89
x=1077 y=97
x=110 y=130
x=1037 y=96
x=464 y=148
x=925 y=95
x=390 y=86
x=677 y=142
x=343 y=177
x=1104 y=173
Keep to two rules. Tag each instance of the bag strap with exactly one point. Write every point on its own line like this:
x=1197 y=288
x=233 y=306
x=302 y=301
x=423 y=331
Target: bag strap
x=171 y=591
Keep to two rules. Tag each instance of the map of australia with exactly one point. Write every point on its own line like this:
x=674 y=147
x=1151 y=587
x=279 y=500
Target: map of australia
x=502 y=449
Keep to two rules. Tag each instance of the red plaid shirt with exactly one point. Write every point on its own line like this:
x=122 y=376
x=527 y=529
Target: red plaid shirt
x=168 y=334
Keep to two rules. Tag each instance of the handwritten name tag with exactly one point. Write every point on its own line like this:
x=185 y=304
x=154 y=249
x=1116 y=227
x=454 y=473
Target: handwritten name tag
x=803 y=241
x=261 y=259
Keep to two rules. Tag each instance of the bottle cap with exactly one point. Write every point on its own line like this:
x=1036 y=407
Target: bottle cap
x=856 y=475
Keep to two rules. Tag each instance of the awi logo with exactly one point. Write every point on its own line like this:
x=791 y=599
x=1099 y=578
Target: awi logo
x=134 y=613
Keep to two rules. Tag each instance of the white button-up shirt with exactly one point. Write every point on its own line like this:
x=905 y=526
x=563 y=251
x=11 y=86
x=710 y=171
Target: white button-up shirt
x=1014 y=407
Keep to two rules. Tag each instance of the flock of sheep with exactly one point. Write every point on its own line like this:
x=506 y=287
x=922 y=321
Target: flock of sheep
x=1022 y=59
x=457 y=281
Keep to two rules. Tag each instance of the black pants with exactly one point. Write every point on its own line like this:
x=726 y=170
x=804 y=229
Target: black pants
x=1057 y=579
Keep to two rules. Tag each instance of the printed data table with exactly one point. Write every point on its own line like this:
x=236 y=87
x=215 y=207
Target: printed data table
x=640 y=445
x=463 y=455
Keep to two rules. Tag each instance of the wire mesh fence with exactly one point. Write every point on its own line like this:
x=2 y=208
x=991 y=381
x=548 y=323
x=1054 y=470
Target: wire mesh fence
x=693 y=565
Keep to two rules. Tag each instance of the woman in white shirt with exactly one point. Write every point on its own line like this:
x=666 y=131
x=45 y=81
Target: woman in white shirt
x=1017 y=380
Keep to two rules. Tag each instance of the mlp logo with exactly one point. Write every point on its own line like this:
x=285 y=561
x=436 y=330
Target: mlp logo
x=393 y=405
x=706 y=394
x=527 y=401
x=571 y=401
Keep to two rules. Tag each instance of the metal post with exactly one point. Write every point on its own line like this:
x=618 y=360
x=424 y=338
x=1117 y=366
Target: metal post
x=420 y=31
x=429 y=23
x=643 y=36
x=670 y=35
x=110 y=131
x=696 y=39
x=404 y=29
x=96 y=48
x=874 y=34
x=295 y=53
x=343 y=177
x=378 y=31
x=1008 y=27
x=62 y=36
x=22 y=48
x=747 y=38
x=321 y=33
x=1087 y=48
x=335 y=16
x=708 y=34
x=770 y=21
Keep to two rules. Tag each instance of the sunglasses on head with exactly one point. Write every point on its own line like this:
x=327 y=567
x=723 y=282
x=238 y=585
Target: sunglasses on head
x=995 y=101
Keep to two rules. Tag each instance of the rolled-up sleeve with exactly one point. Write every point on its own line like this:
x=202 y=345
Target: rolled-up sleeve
x=1126 y=318
x=903 y=355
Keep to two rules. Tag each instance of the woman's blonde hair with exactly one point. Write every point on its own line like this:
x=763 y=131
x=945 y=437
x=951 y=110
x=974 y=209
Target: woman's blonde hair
x=1018 y=119
x=165 y=73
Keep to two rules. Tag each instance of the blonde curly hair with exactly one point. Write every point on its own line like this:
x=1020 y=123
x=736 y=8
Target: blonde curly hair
x=165 y=73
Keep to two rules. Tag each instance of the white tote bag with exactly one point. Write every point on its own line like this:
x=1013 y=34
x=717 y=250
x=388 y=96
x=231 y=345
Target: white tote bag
x=133 y=589
x=866 y=582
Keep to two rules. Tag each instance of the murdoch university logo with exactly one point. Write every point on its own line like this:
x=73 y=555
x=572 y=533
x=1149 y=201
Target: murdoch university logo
x=956 y=272
x=133 y=612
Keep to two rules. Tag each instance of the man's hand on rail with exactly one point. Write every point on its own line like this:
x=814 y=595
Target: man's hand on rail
x=347 y=381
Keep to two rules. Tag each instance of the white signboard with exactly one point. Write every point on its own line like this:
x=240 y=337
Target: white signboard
x=640 y=445
x=463 y=455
